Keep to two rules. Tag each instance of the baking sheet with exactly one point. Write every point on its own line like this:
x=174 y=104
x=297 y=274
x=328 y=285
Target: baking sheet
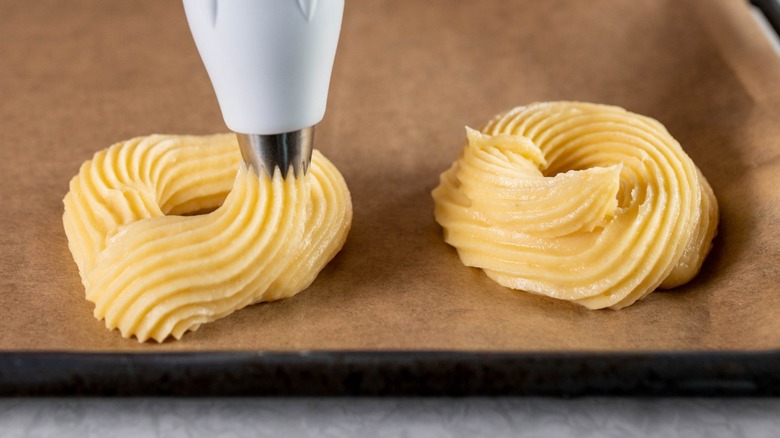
x=408 y=77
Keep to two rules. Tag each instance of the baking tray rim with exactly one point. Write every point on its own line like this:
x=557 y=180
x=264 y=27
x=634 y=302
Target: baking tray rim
x=390 y=373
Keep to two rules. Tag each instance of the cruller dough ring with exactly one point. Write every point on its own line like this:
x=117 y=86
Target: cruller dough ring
x=581 y=202
x=153 y=272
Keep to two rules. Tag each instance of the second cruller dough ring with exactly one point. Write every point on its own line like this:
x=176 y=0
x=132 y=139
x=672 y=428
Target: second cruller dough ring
x=576 y=201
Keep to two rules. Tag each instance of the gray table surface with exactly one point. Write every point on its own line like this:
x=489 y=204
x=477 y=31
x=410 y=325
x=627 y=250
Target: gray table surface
x=390 y=417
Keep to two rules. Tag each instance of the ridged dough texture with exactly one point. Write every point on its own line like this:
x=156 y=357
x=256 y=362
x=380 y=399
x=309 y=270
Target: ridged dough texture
x=581 y=202
x=170 y=232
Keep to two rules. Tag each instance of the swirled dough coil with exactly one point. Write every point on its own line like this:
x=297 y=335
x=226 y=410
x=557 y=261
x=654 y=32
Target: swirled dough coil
x=154 y=272
x=581 y=202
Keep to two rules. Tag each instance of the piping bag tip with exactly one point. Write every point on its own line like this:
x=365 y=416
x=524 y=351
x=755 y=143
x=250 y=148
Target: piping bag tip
x=288 y=150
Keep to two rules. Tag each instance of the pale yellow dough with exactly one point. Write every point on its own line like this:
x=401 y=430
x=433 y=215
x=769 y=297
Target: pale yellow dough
x=581 y=202
x=153 y=272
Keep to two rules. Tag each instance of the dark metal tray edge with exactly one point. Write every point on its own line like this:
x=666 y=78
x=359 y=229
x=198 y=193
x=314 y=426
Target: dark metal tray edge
x=390 y=373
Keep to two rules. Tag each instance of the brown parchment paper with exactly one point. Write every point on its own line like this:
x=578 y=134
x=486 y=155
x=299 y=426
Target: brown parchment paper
x=78 y=76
